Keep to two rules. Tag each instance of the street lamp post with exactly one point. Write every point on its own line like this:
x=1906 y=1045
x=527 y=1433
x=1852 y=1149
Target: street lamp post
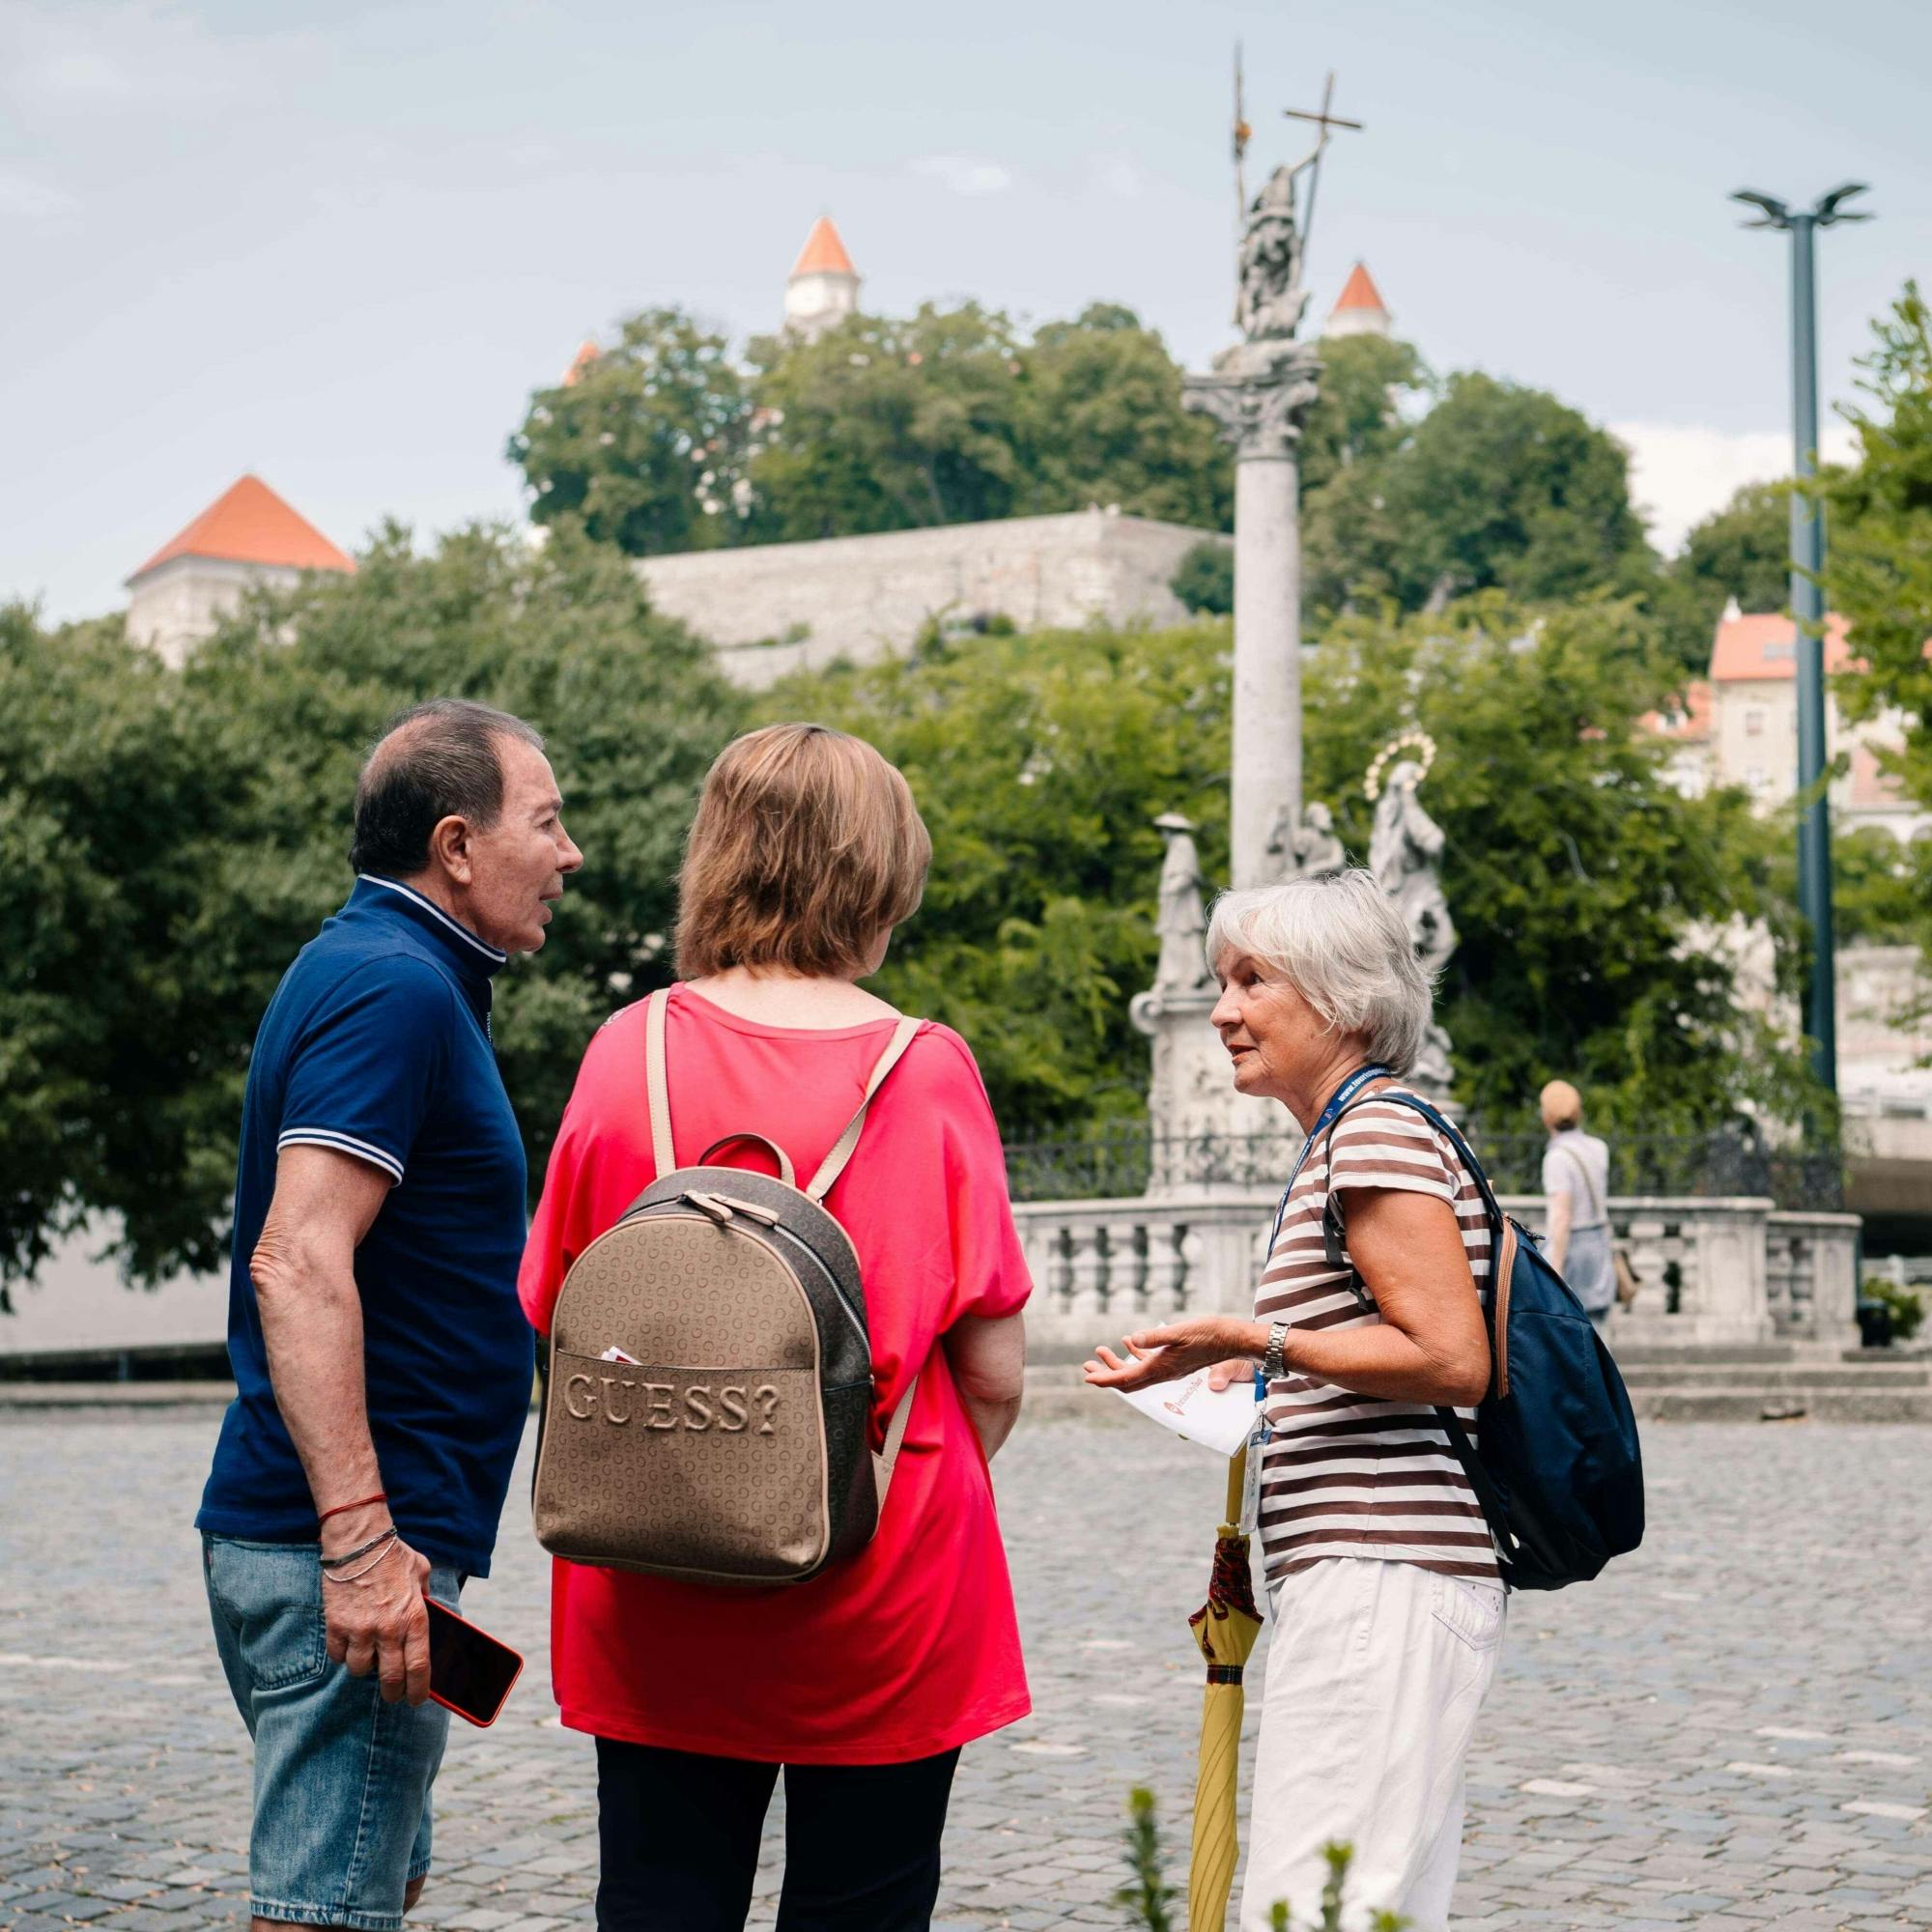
x=1807 y=607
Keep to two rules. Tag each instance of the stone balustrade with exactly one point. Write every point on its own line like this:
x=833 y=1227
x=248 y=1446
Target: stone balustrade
x=1713 y=1274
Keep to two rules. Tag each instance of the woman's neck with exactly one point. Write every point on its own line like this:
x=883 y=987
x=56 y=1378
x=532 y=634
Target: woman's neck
x=1319 y=1087
x=774 y=998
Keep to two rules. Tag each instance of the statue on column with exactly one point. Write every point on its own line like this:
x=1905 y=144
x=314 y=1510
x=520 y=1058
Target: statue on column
x=1182 y=920
x=1406 y=854
x=1310 y=850
x=1269 y=297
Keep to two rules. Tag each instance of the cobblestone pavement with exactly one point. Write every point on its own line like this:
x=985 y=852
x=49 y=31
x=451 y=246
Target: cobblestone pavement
x=1732 y=1729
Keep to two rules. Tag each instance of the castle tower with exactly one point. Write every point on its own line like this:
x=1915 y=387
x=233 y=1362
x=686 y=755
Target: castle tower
x=247 y=536
x=1358 y=309
x=823 y=287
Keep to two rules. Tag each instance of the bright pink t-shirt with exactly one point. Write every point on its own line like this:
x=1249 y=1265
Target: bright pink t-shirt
x=912 y=1647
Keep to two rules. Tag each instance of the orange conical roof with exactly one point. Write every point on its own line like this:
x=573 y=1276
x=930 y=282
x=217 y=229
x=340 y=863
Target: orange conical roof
x=586 y=353
x=249 y=524
x=1360 y=292
x=823 y=254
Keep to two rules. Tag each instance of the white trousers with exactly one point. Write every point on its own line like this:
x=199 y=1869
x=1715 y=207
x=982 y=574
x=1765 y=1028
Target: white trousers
x=1376 y=1671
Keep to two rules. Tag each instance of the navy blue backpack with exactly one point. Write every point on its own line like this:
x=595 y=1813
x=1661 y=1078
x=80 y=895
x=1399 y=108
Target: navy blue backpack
x=1558 y=1472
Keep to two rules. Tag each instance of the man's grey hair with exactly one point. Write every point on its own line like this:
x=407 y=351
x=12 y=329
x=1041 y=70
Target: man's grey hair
x=434 y=760
x=1343 y=947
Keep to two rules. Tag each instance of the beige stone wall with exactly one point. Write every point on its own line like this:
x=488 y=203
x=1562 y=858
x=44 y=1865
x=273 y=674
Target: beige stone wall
x=777 y=608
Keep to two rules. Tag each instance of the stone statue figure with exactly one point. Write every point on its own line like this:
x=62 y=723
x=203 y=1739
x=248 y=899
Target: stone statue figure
x=1182 y=923
x=1310 y=850
x=1404 y=851
x=1270 y=300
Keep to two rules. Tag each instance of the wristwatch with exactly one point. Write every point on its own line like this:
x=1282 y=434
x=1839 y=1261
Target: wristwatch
x=1273 y=1367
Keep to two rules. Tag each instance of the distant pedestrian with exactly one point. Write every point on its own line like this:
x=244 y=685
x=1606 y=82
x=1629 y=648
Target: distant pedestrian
x=382 y=1360
x=1576 y=1194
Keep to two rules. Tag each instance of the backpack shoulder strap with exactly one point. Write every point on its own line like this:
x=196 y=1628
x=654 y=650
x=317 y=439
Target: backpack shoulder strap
x=896 y=1429
x=1502 y=1236
x=833 y=1163
x=656 y=1086
x=1576 y=1160
x=1492 y=1207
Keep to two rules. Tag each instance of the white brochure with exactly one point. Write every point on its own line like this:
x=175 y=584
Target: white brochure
x=1196 y=1414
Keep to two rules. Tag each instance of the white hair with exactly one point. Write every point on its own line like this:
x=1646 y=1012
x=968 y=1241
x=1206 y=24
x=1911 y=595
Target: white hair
x=1340 y=942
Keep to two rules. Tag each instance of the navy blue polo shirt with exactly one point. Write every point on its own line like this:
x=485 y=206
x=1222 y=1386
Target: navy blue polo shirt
x=377 y=1044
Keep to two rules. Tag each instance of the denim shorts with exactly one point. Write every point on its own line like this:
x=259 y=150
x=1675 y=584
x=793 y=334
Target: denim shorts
x=342 y=1780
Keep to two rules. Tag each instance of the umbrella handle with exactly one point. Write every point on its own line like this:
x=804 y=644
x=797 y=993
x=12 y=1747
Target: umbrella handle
x=1237 y=1483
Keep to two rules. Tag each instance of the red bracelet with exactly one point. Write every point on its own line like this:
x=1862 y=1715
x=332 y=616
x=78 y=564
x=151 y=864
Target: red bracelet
x=361 y=1503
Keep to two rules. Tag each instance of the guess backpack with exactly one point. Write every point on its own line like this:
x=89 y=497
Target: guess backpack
x=708 y=1390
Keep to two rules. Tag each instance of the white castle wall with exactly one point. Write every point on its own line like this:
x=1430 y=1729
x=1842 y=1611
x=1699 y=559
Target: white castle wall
x=174 y=607
x=777 y=608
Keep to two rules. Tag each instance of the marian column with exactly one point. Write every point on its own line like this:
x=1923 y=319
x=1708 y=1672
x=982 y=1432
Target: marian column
x=1205 y=1134
x=1258 y=392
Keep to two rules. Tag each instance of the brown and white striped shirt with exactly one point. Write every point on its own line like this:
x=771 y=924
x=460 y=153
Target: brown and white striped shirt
x=1354 y=1475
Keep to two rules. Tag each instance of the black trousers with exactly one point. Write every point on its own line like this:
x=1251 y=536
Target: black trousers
x=680 y=1835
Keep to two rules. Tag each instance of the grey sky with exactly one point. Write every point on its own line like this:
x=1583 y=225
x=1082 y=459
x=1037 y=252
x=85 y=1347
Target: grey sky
x=338 y=244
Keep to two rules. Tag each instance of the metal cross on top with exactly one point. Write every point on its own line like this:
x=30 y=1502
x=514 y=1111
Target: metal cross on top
x=1324 y=120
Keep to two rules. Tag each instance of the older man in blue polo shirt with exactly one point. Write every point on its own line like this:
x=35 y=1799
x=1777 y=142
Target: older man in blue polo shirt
x=381 y=1362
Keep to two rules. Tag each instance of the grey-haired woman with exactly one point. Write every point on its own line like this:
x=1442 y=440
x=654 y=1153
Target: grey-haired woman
x=1382 y=1578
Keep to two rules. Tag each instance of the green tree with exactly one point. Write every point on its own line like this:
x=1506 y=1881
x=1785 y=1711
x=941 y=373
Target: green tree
x=645 y=449
x=1104 y=424
x=111 y=1081
x=1878 y=568
x=172 y=838
x=1586 y=889
x=1584 y=886
x=1878 y=573
x=1498 y=487
x=1205 y=579
x=1743 y=550
x=1361 y=413
x=883 y=425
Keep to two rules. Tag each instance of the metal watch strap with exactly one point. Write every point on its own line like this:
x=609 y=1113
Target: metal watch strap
x=1273 y=1367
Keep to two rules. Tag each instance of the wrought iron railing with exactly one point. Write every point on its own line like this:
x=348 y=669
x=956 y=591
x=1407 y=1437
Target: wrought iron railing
x=1119 y=1161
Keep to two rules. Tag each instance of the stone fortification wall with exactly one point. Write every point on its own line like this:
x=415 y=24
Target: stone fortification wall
x=779 y=608
x=174 y=607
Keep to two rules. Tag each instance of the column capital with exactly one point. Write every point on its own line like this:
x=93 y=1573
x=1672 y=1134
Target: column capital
x=1258 y=392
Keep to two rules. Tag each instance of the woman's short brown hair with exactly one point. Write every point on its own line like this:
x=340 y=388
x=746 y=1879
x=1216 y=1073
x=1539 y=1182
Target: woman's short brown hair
x=807 y=845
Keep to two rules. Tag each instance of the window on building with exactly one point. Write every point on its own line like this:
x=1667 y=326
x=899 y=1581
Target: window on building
x=1754 y=724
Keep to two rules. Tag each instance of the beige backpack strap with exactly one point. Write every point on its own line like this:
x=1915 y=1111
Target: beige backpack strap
x=834 y=1164
x=896 y=1429
x=656 y=1085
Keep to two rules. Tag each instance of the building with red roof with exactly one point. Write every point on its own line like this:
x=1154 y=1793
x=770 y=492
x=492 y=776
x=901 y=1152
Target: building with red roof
x=248 y=537
x=1359 y=309
x=1754 y=732
x=823 y=287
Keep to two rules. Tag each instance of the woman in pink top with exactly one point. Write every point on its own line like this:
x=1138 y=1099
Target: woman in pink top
x=864 y=1683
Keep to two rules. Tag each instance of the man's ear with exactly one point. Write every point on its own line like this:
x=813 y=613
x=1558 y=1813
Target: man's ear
x=450 y=847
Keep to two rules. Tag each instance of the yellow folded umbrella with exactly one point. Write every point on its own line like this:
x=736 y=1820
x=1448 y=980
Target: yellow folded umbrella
x=1227 y=1627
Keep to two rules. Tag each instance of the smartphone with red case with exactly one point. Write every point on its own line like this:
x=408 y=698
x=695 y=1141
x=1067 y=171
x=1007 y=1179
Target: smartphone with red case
x=469 y=1671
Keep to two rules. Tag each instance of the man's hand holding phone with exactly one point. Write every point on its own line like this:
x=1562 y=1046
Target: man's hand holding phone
x=372 y=1607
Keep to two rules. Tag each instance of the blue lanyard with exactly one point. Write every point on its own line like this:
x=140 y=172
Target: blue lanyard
x=1339 y=1100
